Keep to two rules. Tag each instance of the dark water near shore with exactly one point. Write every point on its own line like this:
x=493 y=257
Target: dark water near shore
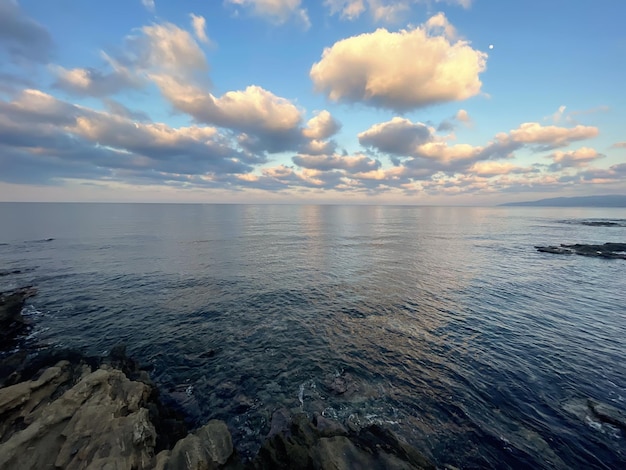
x=442 y=323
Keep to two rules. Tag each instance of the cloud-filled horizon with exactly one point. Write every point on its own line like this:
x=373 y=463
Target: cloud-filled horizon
x=405 y=101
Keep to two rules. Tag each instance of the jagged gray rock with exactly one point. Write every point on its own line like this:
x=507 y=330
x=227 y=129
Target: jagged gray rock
x=98 y=422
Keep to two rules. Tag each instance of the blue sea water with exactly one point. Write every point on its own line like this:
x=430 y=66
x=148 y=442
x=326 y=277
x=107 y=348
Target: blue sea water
x=442 y=323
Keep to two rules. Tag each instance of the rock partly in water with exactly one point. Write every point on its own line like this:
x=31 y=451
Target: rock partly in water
x=608 y=414
x=12 y=323
x=209 y=447
x=315 y=445
x=607 y=250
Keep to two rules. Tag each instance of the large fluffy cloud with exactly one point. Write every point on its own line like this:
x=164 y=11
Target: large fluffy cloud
x=21 y=37
x=400 y=70
x=397 y=137
x=275 y=11
x=255 y=111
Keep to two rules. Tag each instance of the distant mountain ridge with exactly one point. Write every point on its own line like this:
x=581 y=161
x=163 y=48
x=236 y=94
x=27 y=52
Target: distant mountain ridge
x=583 y=201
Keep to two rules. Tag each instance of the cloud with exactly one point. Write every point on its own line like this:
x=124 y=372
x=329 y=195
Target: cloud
x=387 y=12
x=56 y=134
x=347 y=9
x=275 y=11
x=450 y=124
x=165 y=47
x=397 y=137
x=573 y=158
x=273 y=121
x=114 y=107
x=402 y=70
x=199 y=27
x=21 y=37
x=463 y=116
x=94 y=82
x=550 y=137
x=322 y=126
x=381 y=10
x=352 y=164
x=619 y=145
x=149 y=5
x=418 y=149
x=487 y=169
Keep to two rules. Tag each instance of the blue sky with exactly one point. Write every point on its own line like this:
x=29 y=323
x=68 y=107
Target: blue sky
x=365 y=101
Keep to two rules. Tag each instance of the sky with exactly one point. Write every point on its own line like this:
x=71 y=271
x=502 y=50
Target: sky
x=453 y=102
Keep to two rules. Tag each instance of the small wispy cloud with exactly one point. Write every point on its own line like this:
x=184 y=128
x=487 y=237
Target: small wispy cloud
x=149 y=4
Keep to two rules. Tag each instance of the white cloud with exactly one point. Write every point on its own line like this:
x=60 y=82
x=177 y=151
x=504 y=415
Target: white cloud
x=275 y=11
x=400 y=70
x=463 y=116
x=397 y=137
x=551 y=136
x=322 y=126
x=149 y=5
x=272 y=122
x=199 y=27
x=166 y=46
x=488 y=169
x=574 y=158
x=350 y=163
x=347 y=9
x=94 y=82
x=387 y=11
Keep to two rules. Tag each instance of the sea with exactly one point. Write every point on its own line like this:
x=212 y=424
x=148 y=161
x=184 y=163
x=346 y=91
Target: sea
x=443 y=324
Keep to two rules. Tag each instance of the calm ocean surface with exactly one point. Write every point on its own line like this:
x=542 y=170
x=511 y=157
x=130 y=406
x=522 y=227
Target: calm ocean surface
x=444 y=324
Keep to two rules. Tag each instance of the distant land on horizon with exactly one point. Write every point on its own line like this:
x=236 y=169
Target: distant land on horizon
x=581 y=201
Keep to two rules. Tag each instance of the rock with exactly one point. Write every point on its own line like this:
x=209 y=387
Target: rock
x=608 y=250
x=207 y=354
x=12 y=323
x=342 y=384
x=306 y=445
x=600 y=223
x=281 y=420
x=9 y=272
x=99 y=422
x=607 y=413
x=209 y=447
x=226 y=389
x=555 y=250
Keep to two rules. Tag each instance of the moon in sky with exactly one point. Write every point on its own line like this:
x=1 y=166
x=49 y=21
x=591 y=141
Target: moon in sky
x=490 y=46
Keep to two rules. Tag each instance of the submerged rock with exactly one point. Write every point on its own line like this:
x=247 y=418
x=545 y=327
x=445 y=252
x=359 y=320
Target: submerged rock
x=607 y=413
x=12 y=323
x=320 y=445
x=608 y=250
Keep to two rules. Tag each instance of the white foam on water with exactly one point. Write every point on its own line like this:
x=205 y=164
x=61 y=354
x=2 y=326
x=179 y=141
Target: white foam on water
x=301 y=395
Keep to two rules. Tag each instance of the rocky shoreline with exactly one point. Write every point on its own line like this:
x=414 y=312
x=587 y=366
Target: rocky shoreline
x=62 y=409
